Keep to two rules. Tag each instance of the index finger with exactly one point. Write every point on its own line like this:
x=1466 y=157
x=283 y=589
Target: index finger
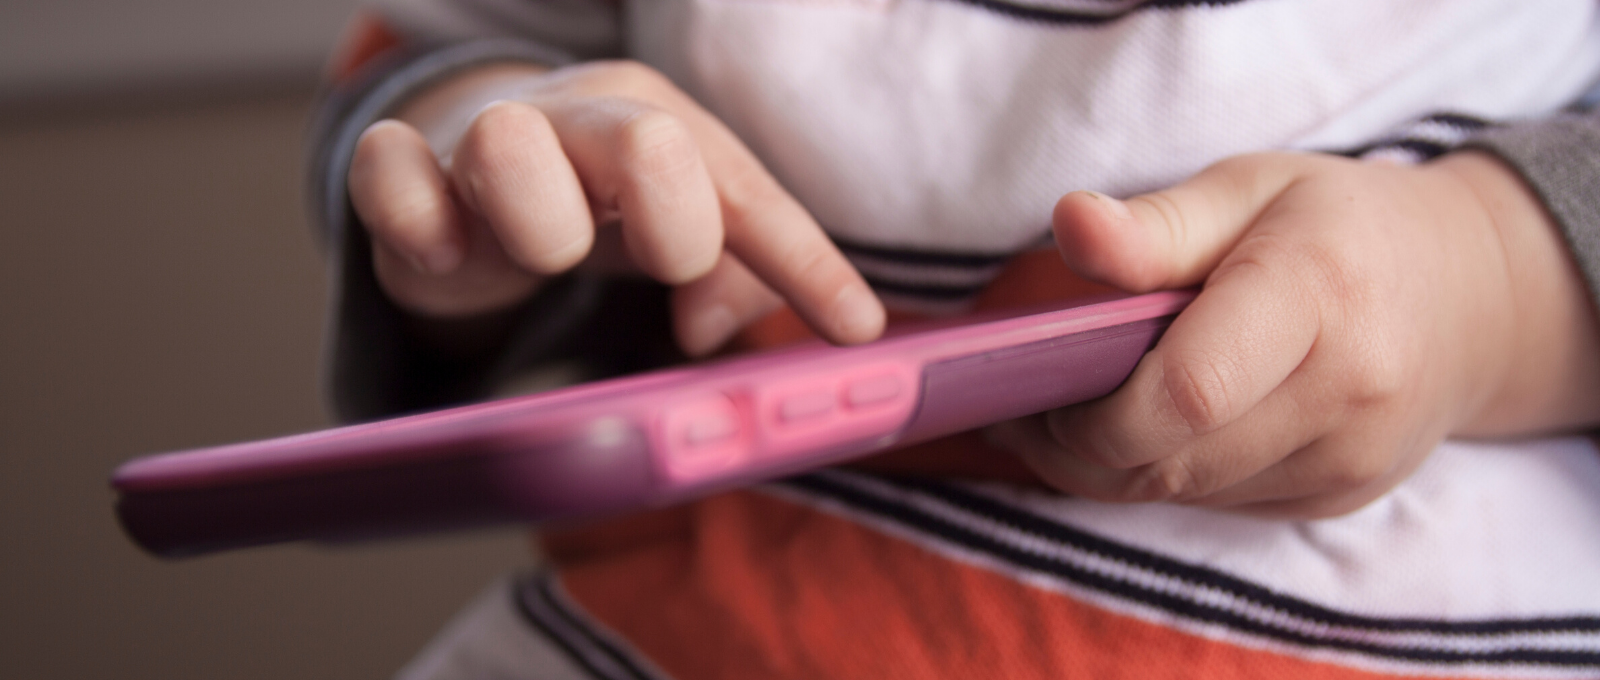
x=779 y=240
x=787 y=249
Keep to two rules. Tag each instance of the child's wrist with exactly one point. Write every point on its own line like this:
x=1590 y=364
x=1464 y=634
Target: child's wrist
x=1549 y=359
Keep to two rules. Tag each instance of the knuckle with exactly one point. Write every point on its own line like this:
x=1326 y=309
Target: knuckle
x=1350 y=290
x=656 y=145
x=814 y=264
x=1374 y=378
x=1261 y=253
x=501 y=136
x=1197 y=386
x=1179 y=228
x=748 y=189
x=1165 y=480
x=1343 y=274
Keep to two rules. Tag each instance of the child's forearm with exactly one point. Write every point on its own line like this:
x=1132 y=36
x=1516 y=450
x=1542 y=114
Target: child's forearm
x=1551 y=380
x=1550 y=169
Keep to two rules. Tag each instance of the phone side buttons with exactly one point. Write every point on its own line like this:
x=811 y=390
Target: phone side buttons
x=873 y=391
x=701 y=436
x=799 y=415
x=806 y=406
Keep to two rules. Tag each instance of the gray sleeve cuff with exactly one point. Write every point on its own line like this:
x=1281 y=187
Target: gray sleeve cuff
x=1560 y=159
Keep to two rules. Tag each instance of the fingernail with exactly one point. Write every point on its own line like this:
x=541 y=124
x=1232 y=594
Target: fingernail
x=710 y=328
x=1117 y=208
x=859 y=313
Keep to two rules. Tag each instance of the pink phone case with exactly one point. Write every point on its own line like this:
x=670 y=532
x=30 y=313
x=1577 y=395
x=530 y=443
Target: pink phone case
x=637 y=441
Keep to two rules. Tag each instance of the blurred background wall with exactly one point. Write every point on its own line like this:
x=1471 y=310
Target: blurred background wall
x=160 y=289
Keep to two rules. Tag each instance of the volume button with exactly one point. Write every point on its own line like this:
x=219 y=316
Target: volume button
x=834 y=409
x=806 y=406
x=868 y=392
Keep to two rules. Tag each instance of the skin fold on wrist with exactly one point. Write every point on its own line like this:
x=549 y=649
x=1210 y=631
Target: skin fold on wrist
x=1551 y=380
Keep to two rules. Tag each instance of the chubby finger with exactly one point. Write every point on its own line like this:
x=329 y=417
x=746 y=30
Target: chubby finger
x=486 y=281
x=641 y=163
x=1031 y=440
x=1174 y=237
x=1240 y=339
x=710 y=309
x=760 y=222
x=510 y=169
x=677 y=234
x=779 y=241
x=1286 y=421
x=403 y=198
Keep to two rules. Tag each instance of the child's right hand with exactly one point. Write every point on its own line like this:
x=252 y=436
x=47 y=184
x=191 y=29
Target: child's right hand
x=489 y=183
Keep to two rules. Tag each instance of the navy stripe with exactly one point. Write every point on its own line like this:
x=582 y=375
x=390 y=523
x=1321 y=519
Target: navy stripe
x=541 y=587
x=930 y=291
x=915 y=256
x=1044 y=527
x=1188 y=608
x=1424 y=149
x=1458 y=120
x=1065 y=16
x=605 y=645
x=519 y=598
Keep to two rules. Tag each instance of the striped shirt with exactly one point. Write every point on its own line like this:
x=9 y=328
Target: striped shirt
x=931 y=138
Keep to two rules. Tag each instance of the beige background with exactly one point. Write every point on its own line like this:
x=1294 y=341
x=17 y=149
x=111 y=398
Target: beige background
x=159 y=288
x=88 y=47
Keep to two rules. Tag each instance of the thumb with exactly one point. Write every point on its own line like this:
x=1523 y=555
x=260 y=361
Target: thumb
x=1174 y=237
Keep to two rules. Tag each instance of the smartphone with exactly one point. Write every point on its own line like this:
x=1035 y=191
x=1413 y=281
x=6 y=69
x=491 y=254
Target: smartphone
x=637 y=441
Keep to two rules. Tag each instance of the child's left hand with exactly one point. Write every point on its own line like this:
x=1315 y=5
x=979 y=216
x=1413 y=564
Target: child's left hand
x=1353 y=314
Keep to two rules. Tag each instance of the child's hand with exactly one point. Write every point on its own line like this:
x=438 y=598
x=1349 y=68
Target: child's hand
x=493 y=181
x=1353 y=314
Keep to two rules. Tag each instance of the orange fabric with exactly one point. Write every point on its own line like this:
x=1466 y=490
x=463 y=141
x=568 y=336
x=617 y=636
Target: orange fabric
x=365 y=38
x=745 y=585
